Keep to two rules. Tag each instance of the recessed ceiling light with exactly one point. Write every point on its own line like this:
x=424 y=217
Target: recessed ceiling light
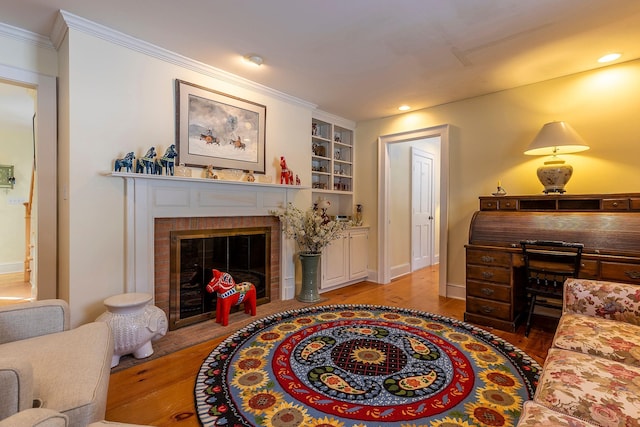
x=255 y=59
x=404 y=108
x=609 y=57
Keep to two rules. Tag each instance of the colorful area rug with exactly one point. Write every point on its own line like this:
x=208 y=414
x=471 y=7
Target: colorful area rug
x=362 y=365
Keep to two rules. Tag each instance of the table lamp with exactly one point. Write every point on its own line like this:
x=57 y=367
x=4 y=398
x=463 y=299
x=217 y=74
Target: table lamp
x=553 y=139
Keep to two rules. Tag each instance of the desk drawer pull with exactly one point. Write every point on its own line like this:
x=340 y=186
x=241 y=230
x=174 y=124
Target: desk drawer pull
x=487 y=292
x=632 y=274
x=487 y=274
x=486 y=258
x=486 y=309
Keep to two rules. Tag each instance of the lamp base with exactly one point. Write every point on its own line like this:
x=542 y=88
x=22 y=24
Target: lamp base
x=554 y=175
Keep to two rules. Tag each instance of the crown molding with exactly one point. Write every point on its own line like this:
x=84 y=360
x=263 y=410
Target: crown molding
x=26 y=36
x=68 y=20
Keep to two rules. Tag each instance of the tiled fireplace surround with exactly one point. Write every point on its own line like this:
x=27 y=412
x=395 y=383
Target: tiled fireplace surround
x=196 y=203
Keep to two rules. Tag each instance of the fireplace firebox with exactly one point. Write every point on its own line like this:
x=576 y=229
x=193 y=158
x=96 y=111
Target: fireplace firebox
x=243 y=252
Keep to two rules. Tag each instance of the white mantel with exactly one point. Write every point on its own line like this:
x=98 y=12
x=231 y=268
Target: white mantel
x=156 y=196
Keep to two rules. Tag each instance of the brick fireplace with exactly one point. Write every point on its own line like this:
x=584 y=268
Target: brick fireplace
x=162 y=260
x=156 y=203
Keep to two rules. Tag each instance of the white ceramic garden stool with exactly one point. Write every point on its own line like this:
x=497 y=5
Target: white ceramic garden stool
x=134 y=323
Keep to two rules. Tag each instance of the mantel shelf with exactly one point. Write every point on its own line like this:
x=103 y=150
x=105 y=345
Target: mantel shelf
x=129 y=175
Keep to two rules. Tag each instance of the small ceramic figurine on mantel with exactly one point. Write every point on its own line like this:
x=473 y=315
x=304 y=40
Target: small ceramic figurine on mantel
x=211 y=173
x=500 y=191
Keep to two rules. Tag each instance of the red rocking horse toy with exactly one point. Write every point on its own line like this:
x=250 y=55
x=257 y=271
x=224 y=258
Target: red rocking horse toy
x=286 y=175
x=231 y=293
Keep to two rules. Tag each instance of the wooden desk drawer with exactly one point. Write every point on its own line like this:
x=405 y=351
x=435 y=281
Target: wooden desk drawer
x=589 y=269
x=488 y=258
x=508 y=205
x=488 y=205
x=491 y=274
x=498 y=310
x=620 y=272
x=489 y=291
x=615 y=204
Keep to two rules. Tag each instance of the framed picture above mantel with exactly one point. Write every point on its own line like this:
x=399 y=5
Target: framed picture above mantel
x=213 y=128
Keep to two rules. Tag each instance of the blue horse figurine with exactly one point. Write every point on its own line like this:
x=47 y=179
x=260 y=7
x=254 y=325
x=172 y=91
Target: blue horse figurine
x=147 y=163
x=167 y=161
x=126 y=162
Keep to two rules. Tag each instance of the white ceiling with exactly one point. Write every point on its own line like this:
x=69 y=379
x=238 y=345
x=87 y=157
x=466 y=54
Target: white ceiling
x=361 y=59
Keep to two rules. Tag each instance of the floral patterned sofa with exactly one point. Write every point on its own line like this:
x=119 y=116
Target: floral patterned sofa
x=591 y=376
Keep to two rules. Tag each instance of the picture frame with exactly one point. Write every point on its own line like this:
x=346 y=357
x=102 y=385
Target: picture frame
x=213 y=128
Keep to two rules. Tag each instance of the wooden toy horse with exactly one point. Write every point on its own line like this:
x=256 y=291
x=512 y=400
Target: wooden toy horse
x=126 y=162
x=286 y=175
x=231 y=293
x=167 y=161
x=147 y=163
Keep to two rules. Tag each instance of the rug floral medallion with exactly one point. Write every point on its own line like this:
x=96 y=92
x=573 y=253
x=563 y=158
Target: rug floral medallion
x=363 y=365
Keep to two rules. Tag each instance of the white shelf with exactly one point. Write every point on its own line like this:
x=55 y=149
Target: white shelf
x=204 y=180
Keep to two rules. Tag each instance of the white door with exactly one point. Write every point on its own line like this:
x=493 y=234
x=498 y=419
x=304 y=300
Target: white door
x=422 y=209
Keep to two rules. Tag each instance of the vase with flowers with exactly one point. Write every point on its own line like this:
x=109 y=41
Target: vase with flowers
x=312 y=231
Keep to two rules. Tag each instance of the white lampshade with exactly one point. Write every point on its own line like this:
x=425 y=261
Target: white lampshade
x=555 y=138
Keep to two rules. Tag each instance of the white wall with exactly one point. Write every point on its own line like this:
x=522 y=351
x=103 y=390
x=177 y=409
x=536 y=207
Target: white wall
x=114 y=100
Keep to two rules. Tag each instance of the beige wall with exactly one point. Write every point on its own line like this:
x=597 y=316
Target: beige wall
x=490 y=133
x=114 y=100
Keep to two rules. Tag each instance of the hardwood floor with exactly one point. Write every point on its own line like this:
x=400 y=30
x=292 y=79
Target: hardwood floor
x=13 y=288
x=160 y=392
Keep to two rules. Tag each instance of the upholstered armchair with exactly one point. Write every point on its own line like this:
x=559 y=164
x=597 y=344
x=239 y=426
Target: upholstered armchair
x=51 y=375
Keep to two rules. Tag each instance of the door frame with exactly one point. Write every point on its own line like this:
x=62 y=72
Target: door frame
x=46 y=213
x=417 y=152
x=384 y=178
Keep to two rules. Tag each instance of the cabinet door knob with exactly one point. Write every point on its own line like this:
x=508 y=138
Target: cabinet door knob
x=487 y=274
x=486 y=291
x=487 y=258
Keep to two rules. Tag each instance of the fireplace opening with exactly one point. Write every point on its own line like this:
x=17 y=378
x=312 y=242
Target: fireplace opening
x=244 y=253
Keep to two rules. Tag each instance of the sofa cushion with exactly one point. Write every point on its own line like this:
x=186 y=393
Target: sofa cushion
x=534 y=414
x=70 y=370
x=591 y=388
x=608 y=300
x=618 y=341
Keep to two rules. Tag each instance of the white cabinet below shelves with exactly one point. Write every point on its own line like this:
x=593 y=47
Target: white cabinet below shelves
x=345 y=260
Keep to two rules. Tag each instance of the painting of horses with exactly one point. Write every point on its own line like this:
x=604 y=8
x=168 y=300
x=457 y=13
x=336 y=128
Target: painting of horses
x=217 y=129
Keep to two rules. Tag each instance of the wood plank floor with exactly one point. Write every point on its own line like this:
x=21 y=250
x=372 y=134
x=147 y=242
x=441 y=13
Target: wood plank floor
x=160 y=392
x=13 y=288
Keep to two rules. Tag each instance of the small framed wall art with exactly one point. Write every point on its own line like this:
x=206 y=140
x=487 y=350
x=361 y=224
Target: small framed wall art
x=213 y=128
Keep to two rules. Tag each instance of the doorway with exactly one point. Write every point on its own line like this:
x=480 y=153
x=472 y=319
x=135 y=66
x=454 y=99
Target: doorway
x=17 y=108
x=384 y=190
x=43 y=234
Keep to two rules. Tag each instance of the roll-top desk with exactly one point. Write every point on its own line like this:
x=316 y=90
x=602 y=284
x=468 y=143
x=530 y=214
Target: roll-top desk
x=607 y=224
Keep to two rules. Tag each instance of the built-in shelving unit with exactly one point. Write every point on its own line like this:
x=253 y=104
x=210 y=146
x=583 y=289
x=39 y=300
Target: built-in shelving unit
x=332 y=164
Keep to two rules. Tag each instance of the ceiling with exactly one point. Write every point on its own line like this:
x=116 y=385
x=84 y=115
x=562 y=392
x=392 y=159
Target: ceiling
x=361 y=59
